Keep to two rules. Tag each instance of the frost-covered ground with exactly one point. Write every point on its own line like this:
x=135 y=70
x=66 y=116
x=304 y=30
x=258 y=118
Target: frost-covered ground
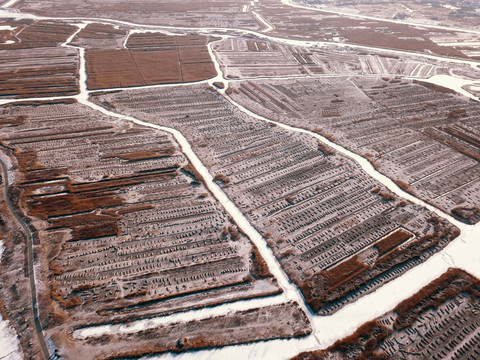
x=455 y=83
x=9 y=349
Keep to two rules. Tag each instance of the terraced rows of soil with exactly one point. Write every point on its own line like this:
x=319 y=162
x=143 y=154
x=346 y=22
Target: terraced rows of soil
x=38 y=72
x=321 y=215
x=126 y=229
x=425 y=138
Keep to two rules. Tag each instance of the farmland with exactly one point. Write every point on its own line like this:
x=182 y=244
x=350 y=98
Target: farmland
x=459 y=14
x=150 y=59
x=439 y=321
x=32 y=63
x=218 y=179
x=315 y=207
x=253 y=58
x=213 y=13
x=436 y=127
x=126 y=227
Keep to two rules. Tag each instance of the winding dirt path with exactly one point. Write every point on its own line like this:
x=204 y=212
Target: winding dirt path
x=30 y=262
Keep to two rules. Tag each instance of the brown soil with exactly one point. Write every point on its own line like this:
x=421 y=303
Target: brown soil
x=468 y=215
x=151 y=59
x=158 y=40
x=335 y=284
x=392 y=241
x=361 y=345
x=144 y=155
x=100 y=36
x=112 y=188
x=447 y=286
x=100 y=31
x=374 y=33
x=259 y=268
x=221 y=13
x=343 y=272
x=38 y=34
x=38 y=72
x=270 y=322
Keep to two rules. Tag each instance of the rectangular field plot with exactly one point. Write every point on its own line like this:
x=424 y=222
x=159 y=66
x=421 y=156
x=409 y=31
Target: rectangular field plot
x=100 y=36
x=269 y=322
x=241 y=58
x=426 y=140
x=38 y=72
x=126 y=227
x=210 y=13
x=250 y=58
x=36 y=34
x=316 y=209
x=150 y=59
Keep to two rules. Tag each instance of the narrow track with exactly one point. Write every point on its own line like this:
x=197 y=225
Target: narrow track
x=30 y=265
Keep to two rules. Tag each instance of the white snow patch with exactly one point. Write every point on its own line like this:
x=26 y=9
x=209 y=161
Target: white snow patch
x=9 y=349
x=260 y=18
x=10 y=3
x=464 y=43
x=451 y=7
x=454 y=83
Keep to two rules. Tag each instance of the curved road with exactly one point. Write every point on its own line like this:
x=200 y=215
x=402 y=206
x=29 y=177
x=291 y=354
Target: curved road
x=29 y=260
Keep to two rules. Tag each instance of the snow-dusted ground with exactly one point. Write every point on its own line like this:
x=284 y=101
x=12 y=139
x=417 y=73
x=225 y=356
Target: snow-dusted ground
x=356 y=15
x=7 y=13
x=263 y=21
x=464 y=252
x=9 y=349
x=465 y=43
x=10 y=3
x=220 y=310
x=454 y=83
x=291 y=292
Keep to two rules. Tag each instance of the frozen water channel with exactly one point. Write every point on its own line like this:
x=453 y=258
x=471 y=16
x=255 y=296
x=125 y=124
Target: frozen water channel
x=464 y=252
x=454 y=83
x=9 y=3
x=260 y=18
